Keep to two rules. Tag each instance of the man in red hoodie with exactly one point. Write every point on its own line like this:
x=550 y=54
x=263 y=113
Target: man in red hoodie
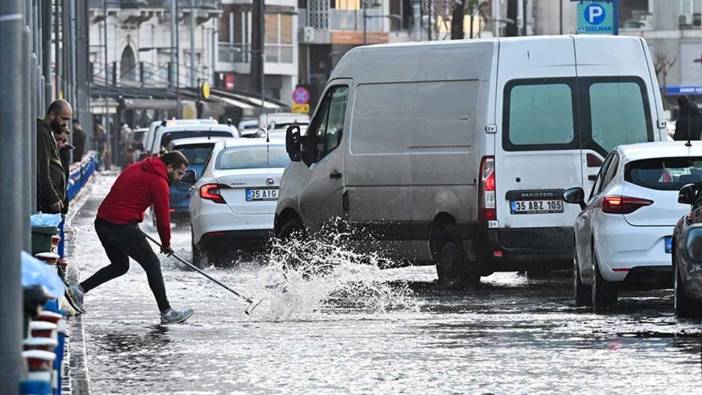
x=140 y=186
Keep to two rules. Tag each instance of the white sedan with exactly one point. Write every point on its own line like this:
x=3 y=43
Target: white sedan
x=623 y=236
x=233 y=203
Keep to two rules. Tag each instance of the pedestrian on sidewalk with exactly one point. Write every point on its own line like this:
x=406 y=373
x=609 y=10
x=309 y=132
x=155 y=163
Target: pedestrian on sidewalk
x=689 y=123
x=79 y=138
x=138 y=187
x=51 y=180
x=64 y=148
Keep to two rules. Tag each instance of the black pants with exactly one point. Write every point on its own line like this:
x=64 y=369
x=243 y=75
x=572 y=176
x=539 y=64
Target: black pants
x=122 y=242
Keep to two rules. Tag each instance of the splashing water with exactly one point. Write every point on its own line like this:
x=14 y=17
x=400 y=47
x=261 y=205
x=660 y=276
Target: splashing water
x=305 y=279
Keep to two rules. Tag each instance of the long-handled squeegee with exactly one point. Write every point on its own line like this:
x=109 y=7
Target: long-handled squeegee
x=252 y=304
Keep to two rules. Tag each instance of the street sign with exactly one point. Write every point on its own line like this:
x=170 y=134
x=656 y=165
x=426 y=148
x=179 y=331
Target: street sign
x=300 y=108
x=598 y=17
x=301 y=95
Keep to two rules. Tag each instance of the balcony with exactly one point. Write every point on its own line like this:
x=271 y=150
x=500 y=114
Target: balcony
x=332 y=19
x=241 y=53
x=153 y=4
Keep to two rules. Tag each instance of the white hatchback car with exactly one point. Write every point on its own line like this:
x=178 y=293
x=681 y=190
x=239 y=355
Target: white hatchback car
x=233 y=202
x=623 y=236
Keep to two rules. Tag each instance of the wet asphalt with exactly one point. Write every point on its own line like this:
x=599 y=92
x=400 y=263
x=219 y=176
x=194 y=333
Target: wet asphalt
x=360 y=329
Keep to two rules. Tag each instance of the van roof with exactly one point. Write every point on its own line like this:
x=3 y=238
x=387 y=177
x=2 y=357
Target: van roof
x=447 y=60
x=659 y=149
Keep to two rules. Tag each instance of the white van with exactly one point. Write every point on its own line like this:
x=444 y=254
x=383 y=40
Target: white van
x=458 y=151
x=155 y=125
x=164 y=134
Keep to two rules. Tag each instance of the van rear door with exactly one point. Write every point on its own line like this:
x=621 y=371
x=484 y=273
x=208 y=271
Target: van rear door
x=619 y=97
x=538 y=153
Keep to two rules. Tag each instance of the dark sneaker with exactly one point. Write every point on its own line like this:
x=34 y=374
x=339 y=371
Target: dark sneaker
x=171 y=316
x=74 y=296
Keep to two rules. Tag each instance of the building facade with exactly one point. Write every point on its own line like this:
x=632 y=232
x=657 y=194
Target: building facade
x=233 y=66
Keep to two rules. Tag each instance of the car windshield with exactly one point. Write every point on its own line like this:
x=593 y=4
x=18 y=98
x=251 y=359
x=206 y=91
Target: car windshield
x=664 y=174
x=184 y=134
x=197 y=154
x=254 y=157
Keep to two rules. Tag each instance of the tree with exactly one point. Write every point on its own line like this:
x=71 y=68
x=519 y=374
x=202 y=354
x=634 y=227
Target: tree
x=662 y=63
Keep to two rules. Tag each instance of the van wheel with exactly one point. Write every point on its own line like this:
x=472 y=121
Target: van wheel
x=452 y=266
x=604 y=293
x=581 y=293
x=292 y=229
x=684 y=306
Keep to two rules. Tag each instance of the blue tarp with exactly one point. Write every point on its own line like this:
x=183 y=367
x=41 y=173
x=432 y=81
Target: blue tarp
x=36 y=272
x=42 y=219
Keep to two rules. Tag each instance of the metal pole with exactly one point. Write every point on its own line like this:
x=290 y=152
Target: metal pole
x=364 y=5
x=11 y=202
x=560 y=16
x=173 y=45
x=525 y=6
x=177 y=64
x=495 y=18
x=192 y=44
x=46 y=50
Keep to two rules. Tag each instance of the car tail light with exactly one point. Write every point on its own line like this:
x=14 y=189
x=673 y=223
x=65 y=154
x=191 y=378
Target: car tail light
x=623 y=204
x=211 y=192
x=487 y=210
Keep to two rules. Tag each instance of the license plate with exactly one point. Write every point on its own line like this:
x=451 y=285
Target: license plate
x=536 y=206
x=669 y=244
x=253 y=195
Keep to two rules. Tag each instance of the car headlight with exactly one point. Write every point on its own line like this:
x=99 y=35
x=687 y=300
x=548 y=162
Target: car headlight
x=693 y=243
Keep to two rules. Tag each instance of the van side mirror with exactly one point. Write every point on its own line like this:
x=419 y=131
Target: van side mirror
x=189 y=177
x=292 y=142
x=687 y=194
x=575 y=196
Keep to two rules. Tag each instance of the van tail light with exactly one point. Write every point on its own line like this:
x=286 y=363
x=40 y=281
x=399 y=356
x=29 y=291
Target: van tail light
x=487 y=209
x=211 y=192
x=623 y=204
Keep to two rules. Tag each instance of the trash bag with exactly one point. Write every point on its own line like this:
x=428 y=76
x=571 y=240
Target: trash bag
x=36 y=272
x=42 y=219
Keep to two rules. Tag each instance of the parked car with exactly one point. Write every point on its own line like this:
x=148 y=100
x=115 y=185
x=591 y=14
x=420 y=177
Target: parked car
x=233 y=203
x=197 y=150
x=152 y=143
x=624 y=233
x=249 y=128
x=458 y=152
x=687 y=250
x=277 y=123
x=135 y=145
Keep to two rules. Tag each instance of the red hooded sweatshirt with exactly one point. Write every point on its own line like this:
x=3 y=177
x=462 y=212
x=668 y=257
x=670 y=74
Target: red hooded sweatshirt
x=140 y=185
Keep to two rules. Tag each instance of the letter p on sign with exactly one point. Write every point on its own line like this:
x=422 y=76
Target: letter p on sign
x=594 y=14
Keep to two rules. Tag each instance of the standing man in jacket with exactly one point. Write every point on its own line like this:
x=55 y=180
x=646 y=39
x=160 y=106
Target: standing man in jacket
x=51 y=180
x=139 y=186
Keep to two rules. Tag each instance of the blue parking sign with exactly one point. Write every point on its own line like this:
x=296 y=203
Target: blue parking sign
x=598 y=17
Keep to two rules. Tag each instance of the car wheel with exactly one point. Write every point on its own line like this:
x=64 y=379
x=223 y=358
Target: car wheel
x=684 y=306
x=604 y=293
x=292 y=229
x=199 y=259
x=581 y=293
x=452 y=266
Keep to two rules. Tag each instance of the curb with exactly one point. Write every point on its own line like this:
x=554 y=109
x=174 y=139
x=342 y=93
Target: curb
x=76 y=373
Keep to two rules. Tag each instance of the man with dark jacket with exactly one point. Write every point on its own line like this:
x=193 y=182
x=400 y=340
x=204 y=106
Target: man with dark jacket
x=689 y=123
x=79 y=138
x=51 y=180
x=64 y=149
x=140 y=186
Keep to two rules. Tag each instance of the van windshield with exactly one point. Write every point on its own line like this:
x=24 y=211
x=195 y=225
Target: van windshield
x=664 y=174
x=548 y=114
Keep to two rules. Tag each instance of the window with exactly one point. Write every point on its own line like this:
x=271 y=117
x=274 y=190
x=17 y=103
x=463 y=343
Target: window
x=664 y=174
x=540 y=114
x=617 y=114
x=255 y=157
x=183 y=134
x=197 y=154
x=328 y=125
x=597 y=186
x=611 y=172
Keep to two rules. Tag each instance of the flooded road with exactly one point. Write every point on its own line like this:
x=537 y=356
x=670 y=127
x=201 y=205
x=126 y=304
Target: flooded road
x=359 y=329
